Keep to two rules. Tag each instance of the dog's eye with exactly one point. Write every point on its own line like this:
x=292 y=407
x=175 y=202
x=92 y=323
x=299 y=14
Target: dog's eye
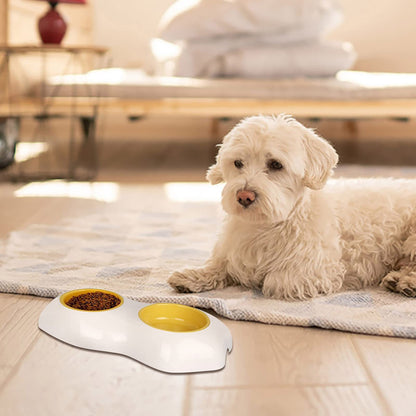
x=274 y=165
x=238 y=164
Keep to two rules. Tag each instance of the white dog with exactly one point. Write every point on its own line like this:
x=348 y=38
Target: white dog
x=293 y=235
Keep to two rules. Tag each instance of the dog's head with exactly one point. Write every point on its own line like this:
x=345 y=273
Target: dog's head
x=266 y=162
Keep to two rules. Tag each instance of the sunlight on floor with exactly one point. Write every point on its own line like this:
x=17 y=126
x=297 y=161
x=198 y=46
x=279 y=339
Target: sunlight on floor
x=377 y=80
x=99 y=191
x=193 y=192
x=29 y=150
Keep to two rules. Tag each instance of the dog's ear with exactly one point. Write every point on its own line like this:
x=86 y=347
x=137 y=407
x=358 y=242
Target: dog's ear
x=321 y=158
x=214 y=174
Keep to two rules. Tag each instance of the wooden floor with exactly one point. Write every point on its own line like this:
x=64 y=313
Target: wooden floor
x=273 y=370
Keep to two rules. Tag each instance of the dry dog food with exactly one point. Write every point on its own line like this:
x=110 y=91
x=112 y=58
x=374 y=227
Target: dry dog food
x=93 y=301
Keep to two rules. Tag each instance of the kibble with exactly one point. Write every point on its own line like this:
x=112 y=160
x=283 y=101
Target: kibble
x=94 y=301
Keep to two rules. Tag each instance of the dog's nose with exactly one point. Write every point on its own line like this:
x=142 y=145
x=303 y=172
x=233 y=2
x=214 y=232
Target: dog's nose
x=246 y=198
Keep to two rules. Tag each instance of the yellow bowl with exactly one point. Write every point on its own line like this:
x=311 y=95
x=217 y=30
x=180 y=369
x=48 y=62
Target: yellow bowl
x=173 y=317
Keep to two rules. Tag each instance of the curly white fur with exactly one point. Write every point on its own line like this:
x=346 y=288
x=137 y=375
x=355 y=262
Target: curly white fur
x=303 y=235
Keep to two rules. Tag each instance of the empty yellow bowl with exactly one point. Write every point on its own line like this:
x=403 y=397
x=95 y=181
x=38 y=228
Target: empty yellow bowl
x=173 y=317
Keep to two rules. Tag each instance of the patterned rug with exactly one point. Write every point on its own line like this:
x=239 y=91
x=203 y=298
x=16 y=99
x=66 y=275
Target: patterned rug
x=133 y=250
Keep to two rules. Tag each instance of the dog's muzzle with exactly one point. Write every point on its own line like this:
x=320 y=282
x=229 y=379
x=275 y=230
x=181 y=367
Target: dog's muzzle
x=245 y=197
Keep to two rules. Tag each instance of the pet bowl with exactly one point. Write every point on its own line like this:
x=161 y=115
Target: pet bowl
x=168 y=337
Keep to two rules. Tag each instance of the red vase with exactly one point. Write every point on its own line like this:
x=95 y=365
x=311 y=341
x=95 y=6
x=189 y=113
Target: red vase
x=52 y=26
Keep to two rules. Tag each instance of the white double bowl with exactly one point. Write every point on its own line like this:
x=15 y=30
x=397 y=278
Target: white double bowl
x=168 y=337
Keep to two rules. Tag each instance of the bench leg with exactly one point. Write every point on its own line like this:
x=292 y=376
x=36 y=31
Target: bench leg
x=9 y=134
x=87 y=152
x=351 y=126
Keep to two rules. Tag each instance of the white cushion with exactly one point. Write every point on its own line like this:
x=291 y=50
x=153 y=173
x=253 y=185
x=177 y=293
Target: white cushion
x=215 y=59
x=192 y=19
x=320 y=59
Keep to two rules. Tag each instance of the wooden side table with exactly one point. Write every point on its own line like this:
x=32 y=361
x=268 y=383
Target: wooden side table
x=47 y=105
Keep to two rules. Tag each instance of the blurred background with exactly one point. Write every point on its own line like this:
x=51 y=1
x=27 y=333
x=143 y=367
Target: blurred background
x=380 y=31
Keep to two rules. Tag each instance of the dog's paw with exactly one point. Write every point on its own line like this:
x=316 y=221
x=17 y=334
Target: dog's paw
x=188 y=281
x=390 y=281
x=180 y=283
x=401 y=281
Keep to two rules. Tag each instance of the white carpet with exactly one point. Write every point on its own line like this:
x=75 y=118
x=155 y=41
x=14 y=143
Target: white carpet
x=133 y=250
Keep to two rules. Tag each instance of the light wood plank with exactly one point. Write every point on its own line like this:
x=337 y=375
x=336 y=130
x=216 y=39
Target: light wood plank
x=339 y=400
x=18 y=328
x=4 y=373
x=272 y=355
x=4 y=20
x=18 y=213
x=32 y=48
x=220 y=107
x=57 y=379
x=228 y=107
x=392 y=368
